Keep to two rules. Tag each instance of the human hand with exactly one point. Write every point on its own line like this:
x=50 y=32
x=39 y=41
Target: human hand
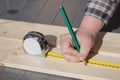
x=86 y=41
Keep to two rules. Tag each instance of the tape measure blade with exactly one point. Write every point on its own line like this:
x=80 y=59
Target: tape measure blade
x=104 y=63
x=56 y=53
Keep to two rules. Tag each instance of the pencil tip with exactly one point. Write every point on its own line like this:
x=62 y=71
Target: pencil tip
x=84 y=62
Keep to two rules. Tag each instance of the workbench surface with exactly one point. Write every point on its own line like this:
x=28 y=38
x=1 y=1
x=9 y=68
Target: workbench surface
x=45 y=12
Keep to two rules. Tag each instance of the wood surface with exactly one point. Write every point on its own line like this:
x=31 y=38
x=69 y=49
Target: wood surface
x=49 y=12
x=11 y=5
x=43 y=11
x=31 y=10
x=74 y=11
x=13 y=55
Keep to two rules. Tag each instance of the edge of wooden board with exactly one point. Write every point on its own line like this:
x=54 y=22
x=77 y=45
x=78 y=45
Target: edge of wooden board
x=12 y=32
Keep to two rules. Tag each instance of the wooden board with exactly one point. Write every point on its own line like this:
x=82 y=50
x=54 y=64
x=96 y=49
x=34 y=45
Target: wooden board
x=49 y=12
x=31 y=10
x=43 y=11
x=11 y=5
x=74 y=10
x=13 y=55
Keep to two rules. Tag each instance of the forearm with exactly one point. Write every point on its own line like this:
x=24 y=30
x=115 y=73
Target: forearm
x=91 y=24
x=98 y=13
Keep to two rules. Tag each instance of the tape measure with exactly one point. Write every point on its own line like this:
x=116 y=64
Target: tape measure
x=90 y=61
x=34 y=43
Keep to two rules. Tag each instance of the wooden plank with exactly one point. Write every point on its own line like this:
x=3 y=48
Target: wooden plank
x=49 y=12
x=2 y=6
x=73 y=9
x=31 y=10
x=79 y=13
x=12 y=32
x=12 y=5
x=8 y=32
x=17 y=59
x=52 y=36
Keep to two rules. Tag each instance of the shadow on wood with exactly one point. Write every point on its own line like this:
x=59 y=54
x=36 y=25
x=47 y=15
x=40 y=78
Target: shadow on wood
x=98 y=43
x=114 y=22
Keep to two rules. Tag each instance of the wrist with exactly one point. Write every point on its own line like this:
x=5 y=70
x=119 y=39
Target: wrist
x=87 y=31
x=92 y=24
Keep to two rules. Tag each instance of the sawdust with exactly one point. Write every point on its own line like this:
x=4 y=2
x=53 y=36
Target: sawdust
x=20 y=48
x=1 y=62
x=17 y=50
x=15 y=53
x=3 y=32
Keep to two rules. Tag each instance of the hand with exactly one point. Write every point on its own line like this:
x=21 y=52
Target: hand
x=86 y=41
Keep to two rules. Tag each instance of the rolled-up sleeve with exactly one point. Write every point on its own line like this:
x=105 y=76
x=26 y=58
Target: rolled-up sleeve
x=102 y=9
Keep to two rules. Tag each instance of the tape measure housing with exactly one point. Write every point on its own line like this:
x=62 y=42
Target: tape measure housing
x=34 y=43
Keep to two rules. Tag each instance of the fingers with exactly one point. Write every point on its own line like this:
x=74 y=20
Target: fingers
x=66 y=44
x=71 y=55
x=67 y=47
x=86 y=41
x=71 y=58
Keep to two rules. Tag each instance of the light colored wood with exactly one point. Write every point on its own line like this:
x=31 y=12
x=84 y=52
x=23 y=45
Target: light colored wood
x=13 y=55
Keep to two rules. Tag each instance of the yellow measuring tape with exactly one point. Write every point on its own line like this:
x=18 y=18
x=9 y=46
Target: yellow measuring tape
x=90 y=61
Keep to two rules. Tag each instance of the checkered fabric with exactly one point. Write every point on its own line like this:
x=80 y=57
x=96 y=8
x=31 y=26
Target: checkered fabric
x=101 y=9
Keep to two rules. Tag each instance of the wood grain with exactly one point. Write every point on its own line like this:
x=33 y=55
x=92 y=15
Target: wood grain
x=11 y=5
x=13 y=55
x=31 y=10
x=74 y=11
x=49 y=12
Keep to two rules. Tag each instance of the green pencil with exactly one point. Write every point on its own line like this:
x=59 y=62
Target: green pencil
x=62 y=10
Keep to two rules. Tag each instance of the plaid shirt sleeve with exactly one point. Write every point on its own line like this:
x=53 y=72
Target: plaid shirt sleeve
x=101 y=9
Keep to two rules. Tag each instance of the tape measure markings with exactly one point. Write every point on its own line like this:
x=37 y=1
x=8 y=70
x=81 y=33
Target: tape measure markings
x=90 y=61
